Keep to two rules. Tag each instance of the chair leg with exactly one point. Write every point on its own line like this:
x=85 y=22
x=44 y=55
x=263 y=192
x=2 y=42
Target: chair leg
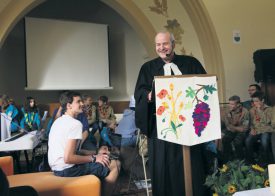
x=27 y=160
x=16 y=157
x=145 y=175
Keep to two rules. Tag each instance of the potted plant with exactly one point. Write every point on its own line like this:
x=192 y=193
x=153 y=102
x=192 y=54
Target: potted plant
x=237 y=176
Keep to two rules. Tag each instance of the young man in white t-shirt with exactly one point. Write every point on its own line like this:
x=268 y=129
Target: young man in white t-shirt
x=64 y=139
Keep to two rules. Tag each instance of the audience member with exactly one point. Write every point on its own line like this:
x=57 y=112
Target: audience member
x=107 y=133
x=89 y=109
x=104 y=112
x=273 y=134
x=64 y=138
x=31 y=116
x=251 y=90
x=260 y=128
x=87 y=142
x=8 y=107
x=56 y=114
x=127 y=126
x=236 y=126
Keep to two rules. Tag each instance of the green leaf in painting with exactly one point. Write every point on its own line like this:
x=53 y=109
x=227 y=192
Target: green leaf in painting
x=209 y=89
x=173 y=126
x=190 y=92
x=205 y=97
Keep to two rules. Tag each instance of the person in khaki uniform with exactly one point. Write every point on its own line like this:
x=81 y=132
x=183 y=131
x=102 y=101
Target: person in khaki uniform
x=105 y=111
x=273 y=134
x=236 y=122
x=260 y=128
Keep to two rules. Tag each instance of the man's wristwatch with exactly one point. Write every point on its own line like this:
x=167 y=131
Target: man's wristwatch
x=93 y=158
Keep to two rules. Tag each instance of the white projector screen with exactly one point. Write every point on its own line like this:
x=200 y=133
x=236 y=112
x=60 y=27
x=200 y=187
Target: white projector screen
x=62 y=55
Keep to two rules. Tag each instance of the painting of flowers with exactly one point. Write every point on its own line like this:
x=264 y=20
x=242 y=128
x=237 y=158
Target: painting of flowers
x=187 y=109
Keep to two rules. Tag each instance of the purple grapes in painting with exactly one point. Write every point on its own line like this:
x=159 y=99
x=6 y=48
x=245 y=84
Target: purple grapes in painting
x=201 y=117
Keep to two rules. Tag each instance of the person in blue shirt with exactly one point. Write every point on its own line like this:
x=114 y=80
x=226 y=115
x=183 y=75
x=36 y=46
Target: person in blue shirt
x=127 y=126
x=88 y=140
x=7 y=106
x=31 y=116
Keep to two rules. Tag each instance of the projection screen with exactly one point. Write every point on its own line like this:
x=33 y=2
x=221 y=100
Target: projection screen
x=62 y=55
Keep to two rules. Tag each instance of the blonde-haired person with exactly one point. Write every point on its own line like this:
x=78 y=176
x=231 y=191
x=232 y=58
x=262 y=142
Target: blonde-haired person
x=8 y=107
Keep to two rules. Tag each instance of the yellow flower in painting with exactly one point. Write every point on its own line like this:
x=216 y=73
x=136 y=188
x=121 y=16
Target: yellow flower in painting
x=224 y=168
x=181 y=105
x=266 y=183
x=171 y=86
x=258 y=168
x=165 y=104
x=215 y=194
x=231 y=189
x=169 y=97
x=179 y=93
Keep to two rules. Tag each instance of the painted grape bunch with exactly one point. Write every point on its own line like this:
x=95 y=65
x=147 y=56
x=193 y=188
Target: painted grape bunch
x=201 y=114
x=200 y=117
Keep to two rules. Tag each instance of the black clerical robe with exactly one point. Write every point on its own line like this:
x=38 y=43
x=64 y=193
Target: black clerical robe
x=165 y=158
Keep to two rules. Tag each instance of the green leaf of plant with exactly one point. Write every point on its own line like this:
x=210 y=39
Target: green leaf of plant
x=190 y=92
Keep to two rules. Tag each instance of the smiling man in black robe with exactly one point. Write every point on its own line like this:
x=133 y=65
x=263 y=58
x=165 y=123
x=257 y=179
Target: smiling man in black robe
x=165 y=158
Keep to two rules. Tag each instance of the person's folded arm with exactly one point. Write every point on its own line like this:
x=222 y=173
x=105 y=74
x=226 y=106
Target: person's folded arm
x=70 y=156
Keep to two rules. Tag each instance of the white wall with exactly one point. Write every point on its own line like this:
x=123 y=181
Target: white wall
x=255 y=20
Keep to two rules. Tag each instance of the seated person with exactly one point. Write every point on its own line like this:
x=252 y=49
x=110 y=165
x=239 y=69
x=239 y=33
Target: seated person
x=236 y=120
x=88 y=140
x=260 y=128
x=127 y=126
x=105 y=113
x=210 y=155
x=106 y=134
x=31 y=117
x=251 y=90
x=64 y=138
x=89 y=109
x=7 y=106
x=56 y=113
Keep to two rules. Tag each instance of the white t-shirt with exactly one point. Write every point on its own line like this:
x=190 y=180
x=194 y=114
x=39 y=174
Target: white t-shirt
x=63 y=129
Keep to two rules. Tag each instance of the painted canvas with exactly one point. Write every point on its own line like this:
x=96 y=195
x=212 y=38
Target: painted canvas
x=187 y=109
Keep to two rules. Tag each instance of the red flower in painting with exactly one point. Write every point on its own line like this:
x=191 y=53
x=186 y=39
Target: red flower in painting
x=162 y=93
x=182 y=118
x=161 y=109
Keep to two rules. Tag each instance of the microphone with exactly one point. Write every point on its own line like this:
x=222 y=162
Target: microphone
x=169 y=54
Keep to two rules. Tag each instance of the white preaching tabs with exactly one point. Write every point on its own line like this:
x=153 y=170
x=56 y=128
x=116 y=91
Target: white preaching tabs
x=167 y=69
x=5 y=126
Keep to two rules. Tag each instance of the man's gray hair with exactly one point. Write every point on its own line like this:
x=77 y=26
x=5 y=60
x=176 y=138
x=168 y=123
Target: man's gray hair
x=172 y=37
